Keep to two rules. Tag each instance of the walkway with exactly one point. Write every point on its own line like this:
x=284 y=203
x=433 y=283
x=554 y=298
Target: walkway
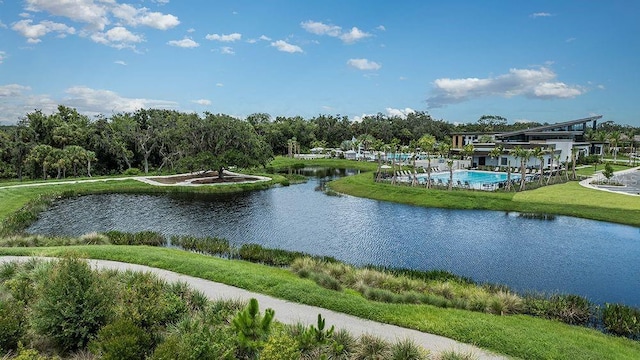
x=630 y=178
x=292 y=313
x=145 y=179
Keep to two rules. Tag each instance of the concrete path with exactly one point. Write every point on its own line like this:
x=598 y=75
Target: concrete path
x=291 y=313
x=145 y=179
x=629 y=177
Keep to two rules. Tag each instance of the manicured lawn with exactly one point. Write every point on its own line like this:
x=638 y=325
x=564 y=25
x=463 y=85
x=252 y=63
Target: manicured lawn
x=591 y=170
x=518 y=336
x=564 y=199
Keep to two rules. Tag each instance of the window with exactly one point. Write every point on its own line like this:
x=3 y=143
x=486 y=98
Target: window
x=503 y=161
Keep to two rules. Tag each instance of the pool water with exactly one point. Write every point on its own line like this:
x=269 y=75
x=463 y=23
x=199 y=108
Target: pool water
x=476 y=179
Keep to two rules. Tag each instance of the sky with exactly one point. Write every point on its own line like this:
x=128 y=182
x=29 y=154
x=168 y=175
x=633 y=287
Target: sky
x=543 y=61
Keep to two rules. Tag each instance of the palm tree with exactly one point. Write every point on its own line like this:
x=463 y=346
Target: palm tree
x=394 y=147
x=574 y=156
x=467 y=151
x=413 y=146
x=614 y=139
x=450 y=165
x=496 y=152
x=523 y=155
x=427 y=143
x=539 y=153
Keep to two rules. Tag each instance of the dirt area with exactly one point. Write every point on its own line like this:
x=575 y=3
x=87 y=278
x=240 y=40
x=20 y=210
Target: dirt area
x=226 y=179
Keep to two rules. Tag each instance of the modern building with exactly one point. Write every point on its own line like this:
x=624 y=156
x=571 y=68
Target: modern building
x=557 y=140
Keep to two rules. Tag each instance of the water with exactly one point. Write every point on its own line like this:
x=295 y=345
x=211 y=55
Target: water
x=595 y=259
x=471 y=178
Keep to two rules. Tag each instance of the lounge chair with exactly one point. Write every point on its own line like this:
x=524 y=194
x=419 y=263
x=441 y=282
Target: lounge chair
x=496 y=169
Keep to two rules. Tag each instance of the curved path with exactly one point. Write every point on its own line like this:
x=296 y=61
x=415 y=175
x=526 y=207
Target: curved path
x=291 y=313
x=629 y=177
x=145 y=179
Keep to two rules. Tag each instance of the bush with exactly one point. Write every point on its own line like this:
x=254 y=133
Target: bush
x=370 y=347
x=407 y=350
x=208 y=245
x=621 y=320
x=121 y=340
x=132 y=171
x=570 y=309
x=280 y=346
x=326 y=281
x=149 y=238
x=453 y=355
x=193 y=338
x=252 y=328
x=72 y=307
x=12 y=324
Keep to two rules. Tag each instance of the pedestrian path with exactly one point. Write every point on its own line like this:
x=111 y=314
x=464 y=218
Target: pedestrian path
x=292 y=313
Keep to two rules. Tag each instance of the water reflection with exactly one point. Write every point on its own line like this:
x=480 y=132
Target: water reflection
x=595 y=259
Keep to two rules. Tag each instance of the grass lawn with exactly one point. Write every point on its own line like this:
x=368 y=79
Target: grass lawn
x=591 y=170
x=564 y=199
x=517 y=336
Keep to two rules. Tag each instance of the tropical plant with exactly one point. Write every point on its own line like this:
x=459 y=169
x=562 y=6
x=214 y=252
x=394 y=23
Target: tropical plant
x=252 y=329
x=427 y=143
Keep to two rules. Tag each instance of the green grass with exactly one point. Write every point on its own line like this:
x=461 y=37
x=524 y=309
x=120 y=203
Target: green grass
x=517 y=336
x=15 y=198
x=281 y=162
x=563 y=199
x=591 y=170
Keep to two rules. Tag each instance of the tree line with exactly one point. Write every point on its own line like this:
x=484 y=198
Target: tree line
x=69 y=143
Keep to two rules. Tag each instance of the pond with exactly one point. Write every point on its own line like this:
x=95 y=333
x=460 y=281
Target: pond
x=569 y=255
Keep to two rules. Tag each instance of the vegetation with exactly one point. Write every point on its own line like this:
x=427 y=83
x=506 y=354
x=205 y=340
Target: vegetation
x=563 y=199
x=141 y=316
x=518 y=335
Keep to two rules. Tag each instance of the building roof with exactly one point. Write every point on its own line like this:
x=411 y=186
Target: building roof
x=546 y=128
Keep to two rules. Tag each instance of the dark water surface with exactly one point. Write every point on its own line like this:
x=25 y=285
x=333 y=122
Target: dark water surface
x=595 y=259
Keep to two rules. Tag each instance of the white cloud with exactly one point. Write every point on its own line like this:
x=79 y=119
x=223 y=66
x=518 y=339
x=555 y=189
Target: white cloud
x=540 y=14
x=142 y=16
x=184 y=43
x=363 y=64
x=227 y=50
x=191 y=30
x=381 y=28
x=401 y=113
x=161 y=2
x=219 y=84
x=2 y=25
x=252 y=41
x=95 y=101
x=203 y=102
x=224 y=38
x=3 y=55
x=120 y=62
x=265 y=38
x=33 y=32
x=571 y=39
x=85 y=11
x=319 y=28
x=532 y=83
x=12 y=90
x=354 y=35
x=24 y=15
x=402 y=78
x=117 y=37
x=282 y=45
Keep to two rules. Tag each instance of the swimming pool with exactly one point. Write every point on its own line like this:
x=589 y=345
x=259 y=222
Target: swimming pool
x=476 y=179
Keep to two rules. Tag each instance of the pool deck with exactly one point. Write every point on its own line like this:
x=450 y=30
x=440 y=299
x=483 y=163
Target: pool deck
x=630 y=178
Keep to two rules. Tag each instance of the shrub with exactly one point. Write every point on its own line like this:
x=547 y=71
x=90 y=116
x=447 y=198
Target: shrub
x=453 y=355
x=570 y=309
x=407 y=350
x=621 y=320
x=121 y=340
x=326 y=281
x=132 y=172
x=370 y=347
x=208 y=245
x=72 y=307
x=12 y=324
x=252 y=329
x=193 y=338
x=149 y=238
x=280 y=346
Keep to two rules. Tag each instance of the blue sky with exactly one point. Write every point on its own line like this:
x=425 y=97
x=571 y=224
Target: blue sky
x=545 y=61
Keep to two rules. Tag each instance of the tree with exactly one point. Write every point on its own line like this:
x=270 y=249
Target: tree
x=614 y=140
x=427 y=144
x=496 y=152
x=574 y=156
x=252 y=328
x=608 y=171
x=413 y=148
x=395 y=143
x=490 y=122
x=450 y=165
x=39 y=156
x=467 y=152
x=539 y=153
x=523 y=155
x=76 y=155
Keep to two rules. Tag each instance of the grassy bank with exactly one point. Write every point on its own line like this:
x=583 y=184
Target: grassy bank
x=280 y=163
x=15 y=198
x=518 y=336
x=563 y=199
